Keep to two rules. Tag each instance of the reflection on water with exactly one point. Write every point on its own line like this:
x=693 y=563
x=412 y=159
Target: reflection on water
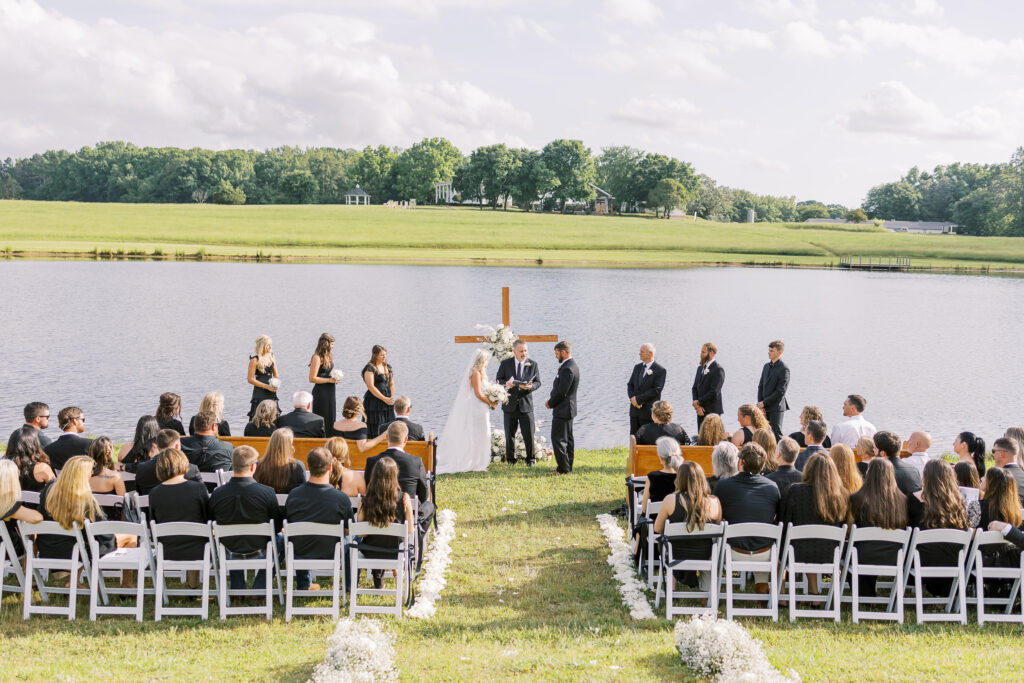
x=927 y=351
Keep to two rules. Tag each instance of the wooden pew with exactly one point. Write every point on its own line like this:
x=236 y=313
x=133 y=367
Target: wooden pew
x=644 y=459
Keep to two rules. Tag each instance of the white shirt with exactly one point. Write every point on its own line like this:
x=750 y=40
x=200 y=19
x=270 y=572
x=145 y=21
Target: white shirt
x=918 y=460
x=850 y=431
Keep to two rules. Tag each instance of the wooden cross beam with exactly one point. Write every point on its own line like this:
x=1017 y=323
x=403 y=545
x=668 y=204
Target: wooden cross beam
x=506 y=321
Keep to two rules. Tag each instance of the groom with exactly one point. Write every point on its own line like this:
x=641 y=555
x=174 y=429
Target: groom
x=521 y=377
x=563 y=407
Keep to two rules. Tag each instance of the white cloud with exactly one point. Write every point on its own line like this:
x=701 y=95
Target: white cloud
x=926 y=8
x=670 y=113
x=518 y=25
x=940 y=44
x=801 y=37
x=785 y=9
x=630 y=11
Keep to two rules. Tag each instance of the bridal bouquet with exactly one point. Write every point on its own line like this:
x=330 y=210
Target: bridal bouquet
x=274 y=382
x=499 y=340
x=337 y=374
x=496 y=393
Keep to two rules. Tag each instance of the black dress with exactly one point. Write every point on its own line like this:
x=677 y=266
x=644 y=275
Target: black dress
x=649 y=434
x=355 y=434
x=798 y=508
x=184 y=502
x=385 y=541
x=324 y=403
x=223 y=428
x=12 y=530
x=932 y=554
x=259 y=394
x=253 y=430
x=29 y=482
x=661 y=484
x=378 y=413
x=748 y=435
x=174 y=424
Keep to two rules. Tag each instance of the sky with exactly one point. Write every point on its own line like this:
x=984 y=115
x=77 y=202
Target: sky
x=821 y=100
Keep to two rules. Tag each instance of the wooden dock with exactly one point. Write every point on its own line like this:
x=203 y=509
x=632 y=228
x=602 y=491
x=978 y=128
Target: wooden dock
x=886 y=263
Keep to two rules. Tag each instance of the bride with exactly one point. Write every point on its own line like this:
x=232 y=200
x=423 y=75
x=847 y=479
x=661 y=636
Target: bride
x=465 y=444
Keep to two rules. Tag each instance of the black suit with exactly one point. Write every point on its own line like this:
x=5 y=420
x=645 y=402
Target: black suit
x=15 y=437
x=646 y=386
x=518 y=412
x=784 y=477
x=412 y=478
x=415 y=430
x=303 y=423
x=207 y=452
x=563 y=409
x=66 y=447
x=146 y=479
x=908 y=478
x=707 y=389
x=748 y=498
x=771 y=391
x=801 y=459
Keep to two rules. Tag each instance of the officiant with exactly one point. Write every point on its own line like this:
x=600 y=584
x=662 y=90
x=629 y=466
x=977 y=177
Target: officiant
x=521 y=377
x=644 y=387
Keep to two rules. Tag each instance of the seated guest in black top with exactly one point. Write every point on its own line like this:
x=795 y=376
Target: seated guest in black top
x=1001 y=505
x=205 y=450
x=278 y=467
x=814 y=434
x=33 y=463
x=146 y=476
x=412 y=476
x=68 y=444
x=765 y=438
x=105 y=479
x=970 y=448
x=243 y=500
x=403 y=406
x=750 y=419
x=938 y=505
x=661 y=483
x=11 y=508
x=213 y=402
x=317 y=501
x=141 y=446
x=302 y=421
x=864 y=451
x=1004 y=453
x=725 y=458
x=786 y=475
x=806 y=415
x=878 y=503
x=168 y=412
x=969 y=483
x=750 y=497
x=177 y=499
x=263 y=420
x=662 y=425
x=385 y=503
x=350 y=426
x=820 y=498
x=692 y=503
x=37 y=416
x=908 y=478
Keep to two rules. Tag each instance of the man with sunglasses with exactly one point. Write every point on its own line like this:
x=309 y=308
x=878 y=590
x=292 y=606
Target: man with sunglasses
x=68 y=444
x=1004 y=452
x=37 y=416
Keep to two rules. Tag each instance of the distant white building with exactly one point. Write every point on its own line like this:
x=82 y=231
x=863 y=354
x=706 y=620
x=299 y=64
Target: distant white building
x=917 y=227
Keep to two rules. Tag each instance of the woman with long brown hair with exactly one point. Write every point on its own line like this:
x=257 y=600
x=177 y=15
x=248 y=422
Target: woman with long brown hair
x=846 y=464
x=380 y=391
x=692 y=503
x=278 y=467
x=938 y=505
x=348 y=481
x=764 y=438
x=384 y=504
x=33 y=464
x=263 y=375
x=350 y=426
x=104 y=479
x=321 y=367
x=168 y=412
x=878 y=503
x=712 y=431
x=1000 y=505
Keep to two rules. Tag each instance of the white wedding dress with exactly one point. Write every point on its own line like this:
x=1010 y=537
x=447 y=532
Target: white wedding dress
x=465 y=441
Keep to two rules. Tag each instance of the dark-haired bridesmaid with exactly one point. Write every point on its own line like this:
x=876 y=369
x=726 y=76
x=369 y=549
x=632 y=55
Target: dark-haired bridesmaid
x=378 y=400
x=321 y=368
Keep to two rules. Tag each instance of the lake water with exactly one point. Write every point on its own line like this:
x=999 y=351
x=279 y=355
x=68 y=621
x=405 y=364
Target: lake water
x=940 y=352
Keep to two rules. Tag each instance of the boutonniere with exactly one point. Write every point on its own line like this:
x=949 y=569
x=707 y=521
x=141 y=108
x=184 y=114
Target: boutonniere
x=705 y=369
x=527 y=363
x=648 y=372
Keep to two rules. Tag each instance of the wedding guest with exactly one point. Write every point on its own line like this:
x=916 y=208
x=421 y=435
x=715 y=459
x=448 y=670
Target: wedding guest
x=104 y=478
x=147 y=476
x=33 y=463
x=412 y=476
x=263 y=374
x=264 y=420
x=814 y=435
x=969 y=483
x=864 y=451
x=712 y=431
x=10 y=501
x=351 y=427
x=316 y=501
x=918 y=445
x=771 y=388
x=385 y=503
x=846 y=464
x=888 y=445
x=879 y=503
x=69 y=443
x=662 y=425
x=178 y=498
x=1004 y=453
x=380 y=388
x=37 y=416
x=403 y=407
x=971 y=448
x=764 y=438
x=168 y=412
x=350 y=481
x=1001 y=502
x=707 y=384
x=724 y=461
x=644 y=387
x=786 y=475
x=321 y=367
x=214 y=403
x=806 y=415
x=138 y=449
x=750 y=497
x=278 y=467
x=692 y=503
x=938 y=505
x=205 y=450
x=68 y=500
x=820 y=498
x=1017 y=434
x=661 y=483
x=855 y=426
x=750 y=419
x=302 y=421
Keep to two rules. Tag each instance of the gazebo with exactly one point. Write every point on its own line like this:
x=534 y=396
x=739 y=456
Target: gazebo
x=357 y=196
x=602 y=202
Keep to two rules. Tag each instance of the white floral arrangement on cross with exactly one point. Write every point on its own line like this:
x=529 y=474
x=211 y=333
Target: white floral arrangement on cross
x=541 y=449
x=499 y=340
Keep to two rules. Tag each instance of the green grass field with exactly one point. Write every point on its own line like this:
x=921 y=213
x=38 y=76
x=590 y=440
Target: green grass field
x=529 y=597
x=463 y=236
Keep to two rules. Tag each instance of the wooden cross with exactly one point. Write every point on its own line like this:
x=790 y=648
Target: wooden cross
x=506 y=321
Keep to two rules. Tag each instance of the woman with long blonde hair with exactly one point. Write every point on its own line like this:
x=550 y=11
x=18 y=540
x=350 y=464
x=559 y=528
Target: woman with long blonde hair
x=751 y=419
x=846 y=465
x=467 y=431
x=765 y=438
x=263 y=374
x=712 y=431
x=10 y=497
x=68 y=501
x=278 y=467
x=348 y=481
x=692 y=503
x=213 y=402
x=321 y=365
x=264 y=420
x=351 y=426
x=379 y=398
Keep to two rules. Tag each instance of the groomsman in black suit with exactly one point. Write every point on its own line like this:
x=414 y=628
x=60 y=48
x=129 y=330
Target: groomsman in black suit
x=521 y=377
x=707 y=385
x=644 y=388
x=562 y=403
x=771 y=390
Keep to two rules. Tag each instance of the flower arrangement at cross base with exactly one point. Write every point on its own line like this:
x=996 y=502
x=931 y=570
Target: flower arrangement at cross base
x=499 y=340
x=725 y=651
x=541 y=449
x=357 y=651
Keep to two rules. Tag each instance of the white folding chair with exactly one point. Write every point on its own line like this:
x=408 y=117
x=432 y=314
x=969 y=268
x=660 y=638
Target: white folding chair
x=206 y=567
x=994 y=540
x=400 y=564
x=676 y=531
x=223 y=477
x=635 y=489
x=955 y=604
x=36 y=568
x=854 y=569
x=653 y=558
x=766 y=532
x=791 y=569
x=138 y=559
x=129 y=481
x=211 y=478
x=282 y=500
x=332 y=565
x=10 y=563
x=30 y=498
x=269 y=563
x=356 y=502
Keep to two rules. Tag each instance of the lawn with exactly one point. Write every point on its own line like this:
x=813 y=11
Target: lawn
x=463 y=236
x=530 y=596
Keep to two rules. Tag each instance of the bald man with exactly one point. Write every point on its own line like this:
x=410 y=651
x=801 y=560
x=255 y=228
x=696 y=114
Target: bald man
x=644 y=388
x=918 y=445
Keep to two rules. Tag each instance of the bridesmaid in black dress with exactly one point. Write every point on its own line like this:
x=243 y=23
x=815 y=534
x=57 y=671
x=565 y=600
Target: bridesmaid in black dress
x=262 y=368
x=320 y=367
x=380 y=389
